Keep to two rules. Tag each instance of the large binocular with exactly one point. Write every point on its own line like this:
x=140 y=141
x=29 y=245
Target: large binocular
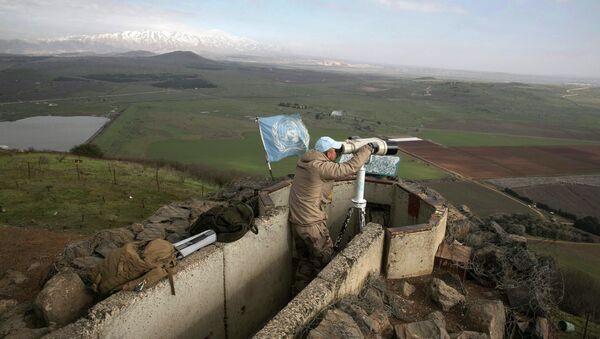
x=380 y=146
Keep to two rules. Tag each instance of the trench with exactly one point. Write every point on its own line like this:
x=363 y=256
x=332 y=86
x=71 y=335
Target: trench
x=244 y=288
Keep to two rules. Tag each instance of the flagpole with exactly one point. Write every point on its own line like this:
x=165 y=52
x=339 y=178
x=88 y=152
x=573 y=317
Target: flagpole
x=263 y=142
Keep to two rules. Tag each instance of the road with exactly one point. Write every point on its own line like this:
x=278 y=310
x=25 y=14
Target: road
x=86 y=97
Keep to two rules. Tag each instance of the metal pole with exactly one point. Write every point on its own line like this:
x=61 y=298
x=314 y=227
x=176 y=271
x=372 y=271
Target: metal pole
x=359 y=197
x=263 y=142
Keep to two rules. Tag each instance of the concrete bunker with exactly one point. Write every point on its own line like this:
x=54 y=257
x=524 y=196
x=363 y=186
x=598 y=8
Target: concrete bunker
x=244 y=288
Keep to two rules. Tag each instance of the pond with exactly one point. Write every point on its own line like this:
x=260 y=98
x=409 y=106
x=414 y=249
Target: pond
x=52 y=133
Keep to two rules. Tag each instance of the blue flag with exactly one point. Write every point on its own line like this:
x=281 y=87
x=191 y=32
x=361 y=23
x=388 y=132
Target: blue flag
x=283 y=136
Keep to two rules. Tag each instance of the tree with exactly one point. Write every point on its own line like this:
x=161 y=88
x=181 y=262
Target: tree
x=88 y=150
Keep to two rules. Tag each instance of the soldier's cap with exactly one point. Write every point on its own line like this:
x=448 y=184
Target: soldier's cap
x=325 y=143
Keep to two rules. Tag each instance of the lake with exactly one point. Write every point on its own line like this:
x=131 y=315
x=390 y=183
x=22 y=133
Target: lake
x=52 y=133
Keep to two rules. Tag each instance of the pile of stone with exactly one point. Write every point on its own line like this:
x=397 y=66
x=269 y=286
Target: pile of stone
x=379 y=313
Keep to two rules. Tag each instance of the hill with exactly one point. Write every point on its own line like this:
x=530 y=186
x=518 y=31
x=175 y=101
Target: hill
x=65 y=192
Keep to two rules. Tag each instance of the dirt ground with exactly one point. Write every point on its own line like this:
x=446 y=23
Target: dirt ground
x=499 y=162
x=31 y=251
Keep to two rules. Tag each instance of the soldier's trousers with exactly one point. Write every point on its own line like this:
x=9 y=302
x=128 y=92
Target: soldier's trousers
x=314 y=249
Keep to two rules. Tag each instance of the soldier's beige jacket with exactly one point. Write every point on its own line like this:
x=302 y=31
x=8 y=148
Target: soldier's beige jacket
x=313 y=183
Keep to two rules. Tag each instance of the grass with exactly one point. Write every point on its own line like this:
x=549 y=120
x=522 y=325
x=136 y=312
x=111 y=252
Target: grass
x=579 y=256
x=45 y=190
x=579 y=322
x=467 y=139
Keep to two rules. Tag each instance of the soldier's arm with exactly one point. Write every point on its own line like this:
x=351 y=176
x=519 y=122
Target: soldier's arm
x=329 y=170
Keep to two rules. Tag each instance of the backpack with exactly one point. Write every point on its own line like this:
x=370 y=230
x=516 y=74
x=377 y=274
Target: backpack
x=135 y=266
x=229 y=222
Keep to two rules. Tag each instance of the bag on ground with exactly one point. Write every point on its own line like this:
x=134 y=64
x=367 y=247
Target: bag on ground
x=229 y=222
x=135 y=266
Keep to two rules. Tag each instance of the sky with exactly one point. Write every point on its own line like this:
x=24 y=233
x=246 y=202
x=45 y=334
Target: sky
x=547 y=37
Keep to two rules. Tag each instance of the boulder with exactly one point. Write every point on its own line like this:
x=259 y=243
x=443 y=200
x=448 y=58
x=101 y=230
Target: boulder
x=78 y=249
x=374 y=298
x=420 y=330
x=487 y=316
x=518 y=240
x=63 y=299
x=6 y=305
x=336 y=324
x=105 y=247
x=438 y=318
x=136 y=228
x=86 y=263
x=469 y=335
x=118 y=236
x=152 y=231
x=444 y=295
x=169 y=213
x=407 y=289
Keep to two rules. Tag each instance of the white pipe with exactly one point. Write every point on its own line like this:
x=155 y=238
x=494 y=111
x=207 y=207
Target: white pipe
x=359 y=197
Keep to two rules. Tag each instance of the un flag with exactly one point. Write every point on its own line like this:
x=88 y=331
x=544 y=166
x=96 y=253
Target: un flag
x=283 y=136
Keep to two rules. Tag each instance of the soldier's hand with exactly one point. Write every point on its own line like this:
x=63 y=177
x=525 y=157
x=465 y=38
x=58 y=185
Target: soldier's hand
x=374 y=147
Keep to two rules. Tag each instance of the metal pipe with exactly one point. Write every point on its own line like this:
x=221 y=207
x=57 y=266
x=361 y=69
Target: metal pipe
x=359 y=197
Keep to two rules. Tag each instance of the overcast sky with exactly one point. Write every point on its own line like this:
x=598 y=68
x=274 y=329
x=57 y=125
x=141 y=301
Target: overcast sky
x=550 y=37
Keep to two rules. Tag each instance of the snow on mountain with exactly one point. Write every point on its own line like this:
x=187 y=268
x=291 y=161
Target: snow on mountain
x=212 y=41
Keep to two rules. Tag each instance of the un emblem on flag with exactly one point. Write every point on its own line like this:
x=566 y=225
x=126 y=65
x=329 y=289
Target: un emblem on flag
x=290 y=135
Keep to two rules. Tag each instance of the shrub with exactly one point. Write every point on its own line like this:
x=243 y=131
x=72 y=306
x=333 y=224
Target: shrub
x=88 y=150
x=582 y=293
x=588 y=224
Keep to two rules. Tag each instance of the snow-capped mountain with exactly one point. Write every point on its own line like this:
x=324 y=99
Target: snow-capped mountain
x=213 y=41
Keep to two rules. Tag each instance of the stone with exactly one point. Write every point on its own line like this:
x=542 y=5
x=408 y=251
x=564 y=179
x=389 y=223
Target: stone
x=178 y=226
x=34 y=266
x=78 y=249
x=118 y=236
x=438 y=318
x=151 y=232
x=10 y=281
x=14 y=319
x=379 y=324
x=105 y=247
x=373 y=297
x=420 y=330
x=168 y=213
x=174 y=237
x=542 y=328
x=6 y=305
x=469 y=335
x=86 y=263
x=136 y=228
x=518 y=240
x=63 y=299
x=336 y=324
x=487 y=316
x=465 y=210
x=407 y=289
x=28 y=333
x=444 y=295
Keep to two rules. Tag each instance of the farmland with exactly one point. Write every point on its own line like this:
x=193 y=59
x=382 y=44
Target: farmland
x=205 y=114
x=510 y=161
x=577 y=199
x=574 y=255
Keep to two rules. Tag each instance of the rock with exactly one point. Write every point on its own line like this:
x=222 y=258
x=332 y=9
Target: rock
x=14 y=277
x=86 y=263
x=178 y=226
x=498 y=230
x=465 y=210
x=151 y=232
x=518 y=240
x=541 y=328
x=169 y=213
x=14 y=319
x=105 y=247
x=379 y=324
x=174 y=237
x=374 y=298
x=407 y=289
x=78 y=249
x=420 y=330
x=136 y=228
x=63 y=299
x=523 y=260
x=118 y=236
x=453 y=280
x=518 y=297
x=6 y=305
x=34 y=266
x=336 y=324
x=469 y=335
x=444 y=295
x=517 y=229
x=438 y=318
x=10 y=281
x=490 y=262
x=488 y=317
x=28 y=333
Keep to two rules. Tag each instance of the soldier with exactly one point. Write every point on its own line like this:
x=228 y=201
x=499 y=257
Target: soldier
x=311 y=191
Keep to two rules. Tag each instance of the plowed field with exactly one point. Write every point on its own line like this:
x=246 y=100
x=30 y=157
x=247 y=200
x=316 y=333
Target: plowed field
x=499 y=162
x=581 y=200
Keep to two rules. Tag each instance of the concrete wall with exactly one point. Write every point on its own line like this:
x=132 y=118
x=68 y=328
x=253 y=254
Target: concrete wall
x=222 y=291
x=344 y=275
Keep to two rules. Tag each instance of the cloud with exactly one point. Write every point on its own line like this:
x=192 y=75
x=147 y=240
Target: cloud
x=421 y=6
x=40 y=18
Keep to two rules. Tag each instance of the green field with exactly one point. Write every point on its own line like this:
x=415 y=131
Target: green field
x=55 y=191
x=481 y=200
x=214 y=126
x=580 y=256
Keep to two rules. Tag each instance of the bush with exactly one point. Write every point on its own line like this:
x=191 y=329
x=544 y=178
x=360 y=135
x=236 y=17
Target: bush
x=588 y=224
x=582 y=293
x=88 y=150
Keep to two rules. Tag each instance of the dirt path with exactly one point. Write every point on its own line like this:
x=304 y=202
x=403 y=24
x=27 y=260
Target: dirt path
x=31 y=251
